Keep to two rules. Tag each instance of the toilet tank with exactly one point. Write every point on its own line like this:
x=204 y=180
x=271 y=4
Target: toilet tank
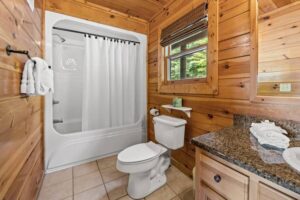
x=169 y=131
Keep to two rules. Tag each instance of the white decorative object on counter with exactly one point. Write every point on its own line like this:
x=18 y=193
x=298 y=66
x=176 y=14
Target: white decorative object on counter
x=267 y=133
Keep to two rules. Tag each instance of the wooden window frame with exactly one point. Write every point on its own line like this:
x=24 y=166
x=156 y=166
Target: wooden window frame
x=199 y=86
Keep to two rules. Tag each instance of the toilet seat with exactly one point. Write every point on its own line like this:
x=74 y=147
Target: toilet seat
x=141 y=153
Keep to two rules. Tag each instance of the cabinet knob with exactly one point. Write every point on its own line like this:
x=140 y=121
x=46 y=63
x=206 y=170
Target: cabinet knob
x=217 y=178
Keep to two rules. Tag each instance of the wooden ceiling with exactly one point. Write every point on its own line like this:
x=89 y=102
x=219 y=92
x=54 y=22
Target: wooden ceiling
x=144 y=9
x=266 y=6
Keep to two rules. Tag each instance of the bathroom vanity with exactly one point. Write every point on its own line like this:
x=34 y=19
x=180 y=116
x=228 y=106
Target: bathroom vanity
x=230 y=164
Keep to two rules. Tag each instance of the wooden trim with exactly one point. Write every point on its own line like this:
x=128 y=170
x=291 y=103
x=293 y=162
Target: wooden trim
x=210 y=86
x=254 y=60
x=254 y=48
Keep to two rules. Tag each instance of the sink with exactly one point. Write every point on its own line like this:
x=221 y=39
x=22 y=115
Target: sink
x=292 y=157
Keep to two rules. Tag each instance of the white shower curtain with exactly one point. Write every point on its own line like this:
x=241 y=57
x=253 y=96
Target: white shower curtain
x=110 y=89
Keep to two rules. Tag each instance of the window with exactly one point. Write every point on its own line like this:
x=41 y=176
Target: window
x=188 y=52
x=187 y=59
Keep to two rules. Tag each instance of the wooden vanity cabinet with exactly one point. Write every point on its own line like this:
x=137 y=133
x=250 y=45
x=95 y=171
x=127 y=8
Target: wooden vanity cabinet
x=217 y=179
x=267 y=193
x=225 y=181
x=209 y=194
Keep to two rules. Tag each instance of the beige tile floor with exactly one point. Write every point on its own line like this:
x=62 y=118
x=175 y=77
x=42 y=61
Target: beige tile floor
x=100 y=180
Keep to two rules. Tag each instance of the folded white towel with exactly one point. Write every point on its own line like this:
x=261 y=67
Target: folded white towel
x=271 y=138
x=43 y=77
x=27 y=82
x=267 y=125
x=37 y=79
x=268 y=133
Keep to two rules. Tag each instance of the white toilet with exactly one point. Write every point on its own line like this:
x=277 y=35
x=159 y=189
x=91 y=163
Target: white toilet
x=146 y=163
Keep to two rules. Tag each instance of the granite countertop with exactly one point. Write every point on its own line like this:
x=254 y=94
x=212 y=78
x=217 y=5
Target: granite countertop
x=236 y=145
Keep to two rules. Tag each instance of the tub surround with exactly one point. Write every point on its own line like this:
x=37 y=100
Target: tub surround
x=235 y=145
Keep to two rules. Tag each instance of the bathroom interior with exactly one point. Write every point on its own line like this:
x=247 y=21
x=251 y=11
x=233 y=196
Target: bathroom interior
x=150 y=99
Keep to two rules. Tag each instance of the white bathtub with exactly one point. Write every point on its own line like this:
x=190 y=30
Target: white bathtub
x=65 y=150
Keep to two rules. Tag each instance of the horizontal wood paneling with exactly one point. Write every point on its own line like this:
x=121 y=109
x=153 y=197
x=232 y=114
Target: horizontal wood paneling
x=142 y=9
x=211 y=113
x=21 y=130
x=235 y=26
x=267 y=6
x=235 y=68
x=280 y=65
x=97 y=14
x=235 y=47
x=272 y=89
x=238 y=88
x=279 y=51
x=25 y=175
x=242 y=6
x=226 y=5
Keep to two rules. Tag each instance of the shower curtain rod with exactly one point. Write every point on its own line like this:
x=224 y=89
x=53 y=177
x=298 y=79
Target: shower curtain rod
x=103 y=36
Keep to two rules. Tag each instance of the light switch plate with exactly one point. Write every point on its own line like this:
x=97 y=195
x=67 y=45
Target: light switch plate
x=285 y=87
x=31 y=4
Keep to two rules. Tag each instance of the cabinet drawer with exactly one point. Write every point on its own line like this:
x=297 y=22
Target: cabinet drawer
x=267 y=193
x=208 y=194
x=225 y=181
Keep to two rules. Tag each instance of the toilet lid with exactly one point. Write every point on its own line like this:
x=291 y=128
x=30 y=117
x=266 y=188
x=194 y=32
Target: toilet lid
x=140 y=152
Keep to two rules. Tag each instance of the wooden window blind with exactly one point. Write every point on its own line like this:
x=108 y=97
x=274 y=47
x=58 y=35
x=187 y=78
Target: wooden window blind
x=191 y=23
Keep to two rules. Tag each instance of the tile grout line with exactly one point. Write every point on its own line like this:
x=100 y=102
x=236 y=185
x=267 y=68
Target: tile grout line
x=103 y=183
x=110 y=180
x=177 y=195
x=73 y=184
x=88 y=172
x=102 y=179
x=90 y=187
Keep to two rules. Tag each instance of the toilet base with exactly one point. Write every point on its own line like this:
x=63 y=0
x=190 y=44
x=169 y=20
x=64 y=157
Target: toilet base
x=139 y=186
x=142 y=184
x=158 y=182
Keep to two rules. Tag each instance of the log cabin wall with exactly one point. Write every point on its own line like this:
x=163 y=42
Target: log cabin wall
x=213 y=112
x=21 y=119
x=279 y=51
x=100 y=14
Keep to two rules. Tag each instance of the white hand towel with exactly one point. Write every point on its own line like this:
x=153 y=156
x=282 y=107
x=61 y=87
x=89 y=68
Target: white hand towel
x=43 y=77
x=27 y=82
x=271 y=138
x=266 y=126
x=268 y=133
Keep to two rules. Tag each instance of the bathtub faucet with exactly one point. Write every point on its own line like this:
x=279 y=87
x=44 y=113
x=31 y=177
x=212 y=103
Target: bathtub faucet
x=55 y=102
x=56 y=121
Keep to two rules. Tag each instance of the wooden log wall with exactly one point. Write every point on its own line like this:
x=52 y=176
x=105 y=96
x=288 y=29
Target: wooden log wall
x=279 y=51
x=21 y=119
x=94 y=12
x=213 y=112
